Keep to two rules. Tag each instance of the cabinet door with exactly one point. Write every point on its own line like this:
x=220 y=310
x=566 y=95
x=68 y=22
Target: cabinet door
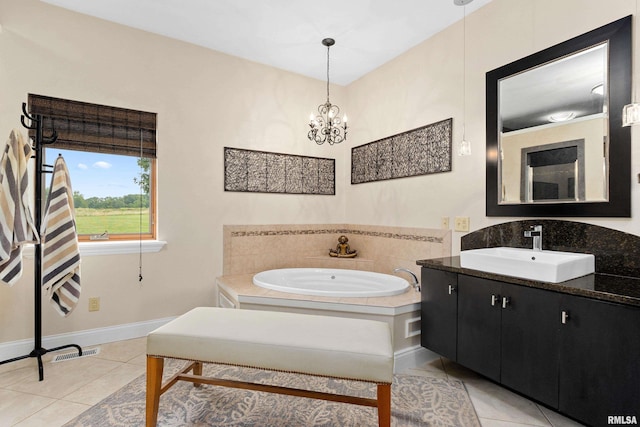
x=530 y=328
x=599 y=362
x=439 y=312
x=479 y=325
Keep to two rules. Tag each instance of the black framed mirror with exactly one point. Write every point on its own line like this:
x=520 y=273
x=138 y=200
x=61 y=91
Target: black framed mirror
x=538 y=106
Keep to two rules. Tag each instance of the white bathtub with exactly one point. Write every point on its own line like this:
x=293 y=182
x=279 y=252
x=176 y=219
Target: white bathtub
x=332 y=282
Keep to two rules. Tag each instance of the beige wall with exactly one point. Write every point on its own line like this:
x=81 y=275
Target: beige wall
x=206 y=100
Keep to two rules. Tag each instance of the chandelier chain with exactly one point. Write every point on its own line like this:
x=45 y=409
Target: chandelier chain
x=328 y=48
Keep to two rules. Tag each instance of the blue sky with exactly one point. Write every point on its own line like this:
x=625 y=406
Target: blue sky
x=98 y=175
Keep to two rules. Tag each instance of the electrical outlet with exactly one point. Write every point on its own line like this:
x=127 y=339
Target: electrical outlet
x=94 y=304
x=462 y=223
x=444 y=222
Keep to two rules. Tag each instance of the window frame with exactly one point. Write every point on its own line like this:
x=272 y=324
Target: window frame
x=95 y=128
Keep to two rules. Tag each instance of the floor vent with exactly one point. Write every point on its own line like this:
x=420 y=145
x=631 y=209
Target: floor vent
x=74 y=355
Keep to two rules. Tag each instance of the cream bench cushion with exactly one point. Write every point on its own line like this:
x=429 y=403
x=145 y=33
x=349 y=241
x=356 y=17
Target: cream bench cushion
x=307 y=344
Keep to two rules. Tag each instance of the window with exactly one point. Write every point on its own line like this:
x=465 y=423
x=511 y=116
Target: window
x=111 y=156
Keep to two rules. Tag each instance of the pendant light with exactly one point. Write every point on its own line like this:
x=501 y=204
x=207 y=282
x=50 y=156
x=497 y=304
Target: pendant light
x=464 y=149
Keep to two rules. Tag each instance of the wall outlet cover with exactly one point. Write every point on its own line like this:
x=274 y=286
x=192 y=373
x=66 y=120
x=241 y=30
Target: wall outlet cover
x=462 y=223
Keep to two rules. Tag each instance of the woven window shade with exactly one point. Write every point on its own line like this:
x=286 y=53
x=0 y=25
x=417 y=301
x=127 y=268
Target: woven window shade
x=97 y=128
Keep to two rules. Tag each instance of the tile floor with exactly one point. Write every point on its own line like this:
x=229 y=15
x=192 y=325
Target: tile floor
x=70 y=387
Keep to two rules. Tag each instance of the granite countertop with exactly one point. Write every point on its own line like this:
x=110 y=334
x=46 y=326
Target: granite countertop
x=605 y=287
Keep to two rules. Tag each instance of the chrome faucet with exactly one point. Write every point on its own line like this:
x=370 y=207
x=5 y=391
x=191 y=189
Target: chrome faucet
x=416 y=283
x=536 y=233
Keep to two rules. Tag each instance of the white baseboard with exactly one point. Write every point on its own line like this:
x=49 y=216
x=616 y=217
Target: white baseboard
x=412 y=357
x=84 y=338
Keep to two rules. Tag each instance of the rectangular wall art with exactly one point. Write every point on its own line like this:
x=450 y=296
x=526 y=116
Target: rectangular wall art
x=265 y=172
x=420 y=151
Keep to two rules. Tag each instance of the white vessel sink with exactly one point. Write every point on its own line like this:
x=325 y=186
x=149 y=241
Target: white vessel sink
x=544 y=266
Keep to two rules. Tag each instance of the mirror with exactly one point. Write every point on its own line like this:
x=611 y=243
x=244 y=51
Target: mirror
x=555 y=141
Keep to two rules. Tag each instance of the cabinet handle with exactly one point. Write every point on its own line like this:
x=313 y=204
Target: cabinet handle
x=452 y=289
x=505 y=302
x=565 y=317
x=494 y=299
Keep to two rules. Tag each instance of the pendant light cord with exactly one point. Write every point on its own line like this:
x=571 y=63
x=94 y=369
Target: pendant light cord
x=464 y=73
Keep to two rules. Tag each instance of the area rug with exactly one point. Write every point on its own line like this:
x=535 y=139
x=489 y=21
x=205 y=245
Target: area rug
x=416 y=401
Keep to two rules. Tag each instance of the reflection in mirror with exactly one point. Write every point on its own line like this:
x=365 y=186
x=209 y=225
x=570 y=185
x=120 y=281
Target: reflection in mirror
x=553 y=172
x=555 y=141
x=563 y=100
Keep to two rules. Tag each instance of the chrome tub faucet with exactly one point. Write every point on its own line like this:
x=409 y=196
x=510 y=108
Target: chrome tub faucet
x=536 y=233
x=416 y=283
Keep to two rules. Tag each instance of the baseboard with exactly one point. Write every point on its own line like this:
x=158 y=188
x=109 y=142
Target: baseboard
x=84 y=338
x=412 y=357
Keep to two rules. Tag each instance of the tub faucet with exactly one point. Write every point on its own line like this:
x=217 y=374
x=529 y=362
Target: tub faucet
x=416 y=283
x=536 y=233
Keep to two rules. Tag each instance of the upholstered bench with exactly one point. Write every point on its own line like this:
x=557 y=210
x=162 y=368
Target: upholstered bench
x=324 y=346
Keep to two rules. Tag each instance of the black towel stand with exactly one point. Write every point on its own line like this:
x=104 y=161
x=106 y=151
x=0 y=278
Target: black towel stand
x=39 y=143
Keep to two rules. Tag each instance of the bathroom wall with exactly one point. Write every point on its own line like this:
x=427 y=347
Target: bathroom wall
x=249 y=249
x=207 y=100
x=425 y=85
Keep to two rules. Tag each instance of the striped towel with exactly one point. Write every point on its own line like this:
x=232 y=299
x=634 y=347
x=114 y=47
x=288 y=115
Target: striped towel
x=16 y=222
x=60 y=255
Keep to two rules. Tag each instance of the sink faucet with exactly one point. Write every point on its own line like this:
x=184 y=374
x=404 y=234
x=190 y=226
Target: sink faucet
x=416 y=283
x=536 y=233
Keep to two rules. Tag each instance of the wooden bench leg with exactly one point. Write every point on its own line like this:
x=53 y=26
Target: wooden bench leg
x=384 y=405
x=155 y=366
x=197 y=370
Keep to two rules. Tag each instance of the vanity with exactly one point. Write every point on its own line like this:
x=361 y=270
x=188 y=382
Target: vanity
x=553 y=150
x=573 y=346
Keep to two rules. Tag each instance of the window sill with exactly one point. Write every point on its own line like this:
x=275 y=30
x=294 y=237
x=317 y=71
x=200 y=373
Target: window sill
x=111 y=248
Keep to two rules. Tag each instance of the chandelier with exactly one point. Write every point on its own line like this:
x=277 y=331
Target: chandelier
x=326 y=126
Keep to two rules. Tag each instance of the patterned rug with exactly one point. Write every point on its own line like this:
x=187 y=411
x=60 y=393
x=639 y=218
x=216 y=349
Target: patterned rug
x=416 y=401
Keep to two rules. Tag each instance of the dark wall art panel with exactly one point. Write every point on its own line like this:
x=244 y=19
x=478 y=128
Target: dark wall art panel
x=265 y=172
x=420 y=151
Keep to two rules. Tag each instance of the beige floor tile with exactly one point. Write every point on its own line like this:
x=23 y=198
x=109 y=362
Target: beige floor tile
x=433 y=368
x=123 y=351
x=140 y=360
x=558 y=420
x=7 y=367
x=487 y=422
x=17 y=375
x=54 y=415
x=16 y=406
x=494 y=402
x=104 y=386
x=65 y=377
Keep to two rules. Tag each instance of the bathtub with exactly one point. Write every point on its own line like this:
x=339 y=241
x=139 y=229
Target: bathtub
x=331 y=282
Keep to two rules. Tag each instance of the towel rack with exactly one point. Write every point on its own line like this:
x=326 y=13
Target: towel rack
x=39 y=142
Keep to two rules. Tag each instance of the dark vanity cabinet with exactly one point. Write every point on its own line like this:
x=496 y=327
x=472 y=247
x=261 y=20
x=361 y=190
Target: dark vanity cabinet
x=509 y=334
x=577 y=355
x=600 y=359
x=439 y=311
